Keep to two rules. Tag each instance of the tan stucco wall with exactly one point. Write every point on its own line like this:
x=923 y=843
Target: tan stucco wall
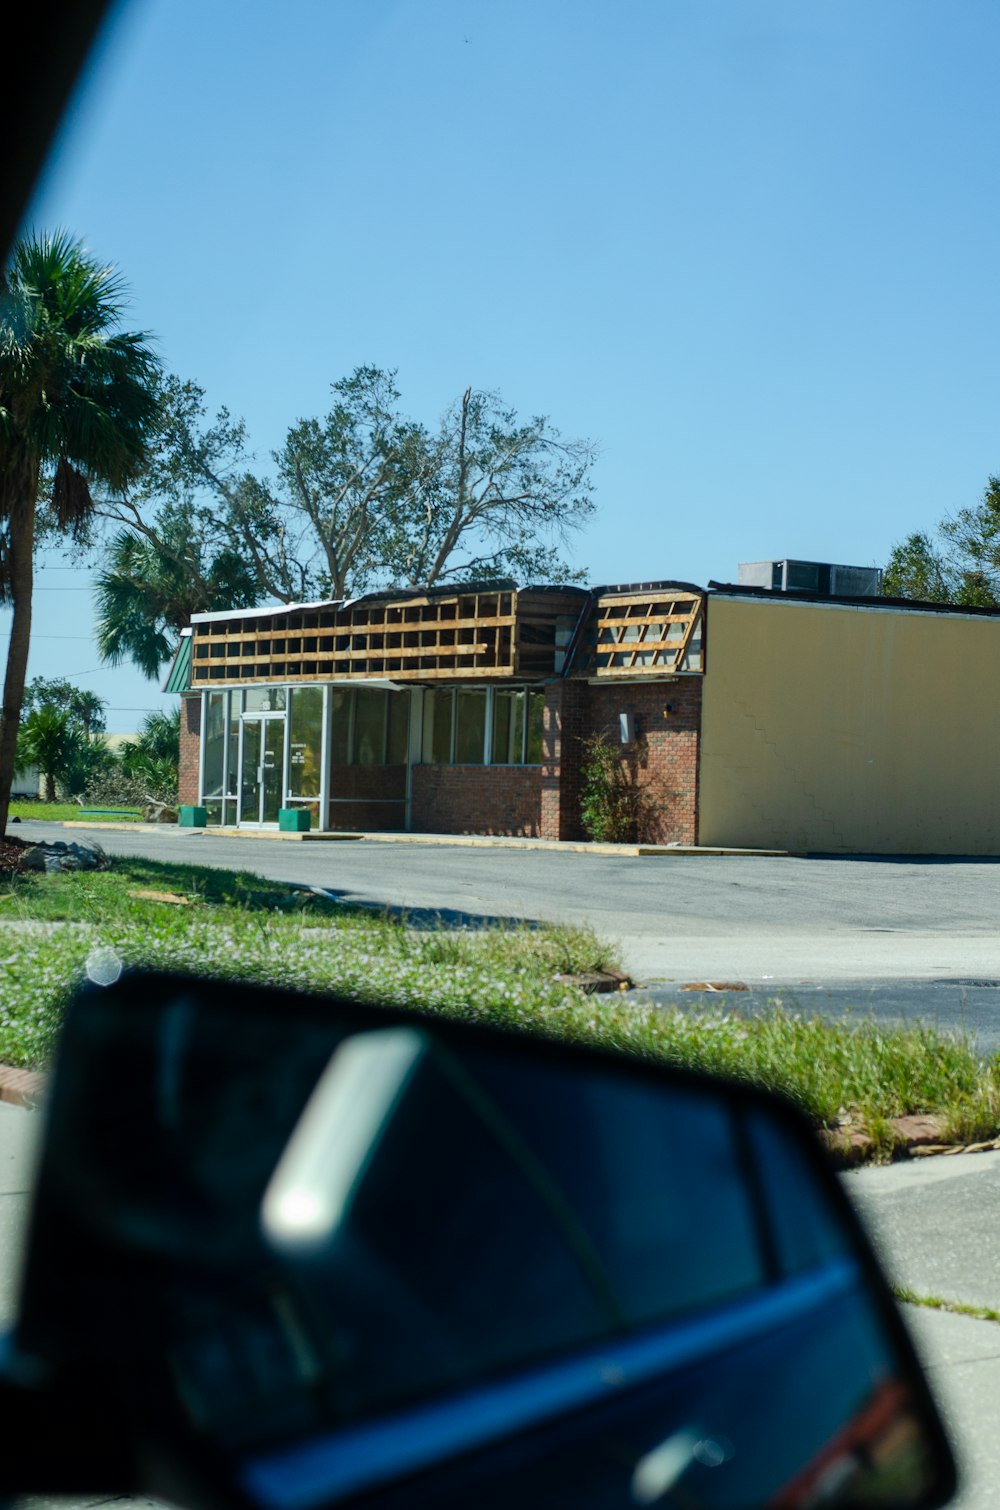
x=838 y=728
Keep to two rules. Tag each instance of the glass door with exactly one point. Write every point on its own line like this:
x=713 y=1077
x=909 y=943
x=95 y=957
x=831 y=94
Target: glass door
x=272 y=784
x=262 y=759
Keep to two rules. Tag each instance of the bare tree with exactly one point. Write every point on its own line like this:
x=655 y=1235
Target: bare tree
x=360 y=499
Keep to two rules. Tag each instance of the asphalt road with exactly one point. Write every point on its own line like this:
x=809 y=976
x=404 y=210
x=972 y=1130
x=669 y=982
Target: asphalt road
x=902 y=938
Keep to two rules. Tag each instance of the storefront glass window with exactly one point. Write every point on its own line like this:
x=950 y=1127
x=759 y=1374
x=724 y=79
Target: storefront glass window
x=398 y=715
x=536 y=728
x=470 y=727
x=264 y=699
x=508 y=727
x=232 y=758
x=340 y=725
x=511 y=743
x=437 y=726
x=214 y=778
x=369 y=726
x=306 y=741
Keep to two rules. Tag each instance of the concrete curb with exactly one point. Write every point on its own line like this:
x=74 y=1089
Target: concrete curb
x=468 y=841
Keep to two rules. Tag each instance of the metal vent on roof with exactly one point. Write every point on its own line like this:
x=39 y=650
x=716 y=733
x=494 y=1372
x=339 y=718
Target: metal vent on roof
x=819 y=577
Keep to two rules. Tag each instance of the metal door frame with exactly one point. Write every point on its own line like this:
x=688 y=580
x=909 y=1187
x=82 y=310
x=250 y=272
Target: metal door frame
x=258 y=717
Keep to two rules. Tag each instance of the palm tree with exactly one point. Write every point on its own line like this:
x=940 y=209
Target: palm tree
x=77 y=407
x=89 y=709
x=48 y=739
x=149 y=589
x=57 y=743
x=85 y=707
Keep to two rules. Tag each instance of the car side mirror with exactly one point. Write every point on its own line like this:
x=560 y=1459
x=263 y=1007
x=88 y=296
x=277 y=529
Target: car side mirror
x=289 y=1252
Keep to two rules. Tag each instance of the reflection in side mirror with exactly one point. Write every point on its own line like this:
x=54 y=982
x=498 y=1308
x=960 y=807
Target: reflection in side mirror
x=323 y=1252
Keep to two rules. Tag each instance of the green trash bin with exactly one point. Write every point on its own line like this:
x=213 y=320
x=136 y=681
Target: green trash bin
x=192 y=817
x=294 y=820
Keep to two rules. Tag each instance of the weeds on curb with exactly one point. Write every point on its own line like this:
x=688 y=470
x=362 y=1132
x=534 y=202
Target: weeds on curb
x=937 y=1303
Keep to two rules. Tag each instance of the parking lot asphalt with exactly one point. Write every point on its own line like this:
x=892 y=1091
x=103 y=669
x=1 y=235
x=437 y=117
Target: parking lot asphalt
x=901 y=938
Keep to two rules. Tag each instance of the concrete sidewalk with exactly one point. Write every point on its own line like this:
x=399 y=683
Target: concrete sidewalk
x=394 y=836
x=935 y=1224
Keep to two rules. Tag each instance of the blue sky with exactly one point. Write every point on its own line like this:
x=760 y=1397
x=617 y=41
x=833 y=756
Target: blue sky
x=749 y=249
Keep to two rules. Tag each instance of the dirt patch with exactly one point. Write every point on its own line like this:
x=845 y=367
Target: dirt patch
x=715 y=985
x=11 y=854
x=160 y=896
x=598 y=980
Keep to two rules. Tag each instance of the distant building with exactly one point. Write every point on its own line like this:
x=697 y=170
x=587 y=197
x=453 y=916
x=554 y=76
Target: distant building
x=27 y=782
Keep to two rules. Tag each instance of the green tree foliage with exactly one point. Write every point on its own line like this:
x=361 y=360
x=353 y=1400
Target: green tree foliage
x=56 y=742
x=150 y=586
x=44 y=740
x=916 y=570
x=77 y=408
x=153 y=757
x=361 y=498
x=89 y=757
x=86 y=708
x=962 y=566
x=613 y=805
x=499 y=497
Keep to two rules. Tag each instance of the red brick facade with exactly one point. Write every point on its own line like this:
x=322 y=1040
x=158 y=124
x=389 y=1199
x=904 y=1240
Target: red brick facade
x=545 y=800
x=187 y=777
x=667 y=721
x=377 y=796
x=477 y=799
x=525 y=800
x=565 y=725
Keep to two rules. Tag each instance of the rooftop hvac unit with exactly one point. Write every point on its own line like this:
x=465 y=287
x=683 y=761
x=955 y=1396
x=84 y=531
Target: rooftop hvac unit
x=819 y=577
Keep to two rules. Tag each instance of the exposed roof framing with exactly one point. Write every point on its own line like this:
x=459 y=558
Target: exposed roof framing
x=493 y=633
x=649 y=631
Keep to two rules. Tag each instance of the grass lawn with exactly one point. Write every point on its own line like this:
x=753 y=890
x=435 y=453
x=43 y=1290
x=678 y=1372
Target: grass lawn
x=70 y=812
x=235 y=924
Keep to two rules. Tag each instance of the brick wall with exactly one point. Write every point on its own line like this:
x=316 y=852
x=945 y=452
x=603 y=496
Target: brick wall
x=368 y=787
x=526 y=800
x=667 y=724
x=187 y=782
x=477 y=799
x=667 y=719
x=566 y=723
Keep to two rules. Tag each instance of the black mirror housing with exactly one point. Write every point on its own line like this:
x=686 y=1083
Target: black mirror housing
x=310 y=1252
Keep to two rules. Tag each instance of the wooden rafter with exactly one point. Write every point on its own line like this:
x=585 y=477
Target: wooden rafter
x=631 y=632
x=468 y=634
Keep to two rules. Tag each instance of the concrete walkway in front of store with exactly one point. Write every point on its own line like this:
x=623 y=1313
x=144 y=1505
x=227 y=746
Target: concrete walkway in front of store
x=485 y=841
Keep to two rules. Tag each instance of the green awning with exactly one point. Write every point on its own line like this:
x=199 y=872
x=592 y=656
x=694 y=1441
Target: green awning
x=179 y=677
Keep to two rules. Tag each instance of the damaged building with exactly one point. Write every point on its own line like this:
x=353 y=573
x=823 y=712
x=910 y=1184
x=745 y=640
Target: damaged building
x=794 y=709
